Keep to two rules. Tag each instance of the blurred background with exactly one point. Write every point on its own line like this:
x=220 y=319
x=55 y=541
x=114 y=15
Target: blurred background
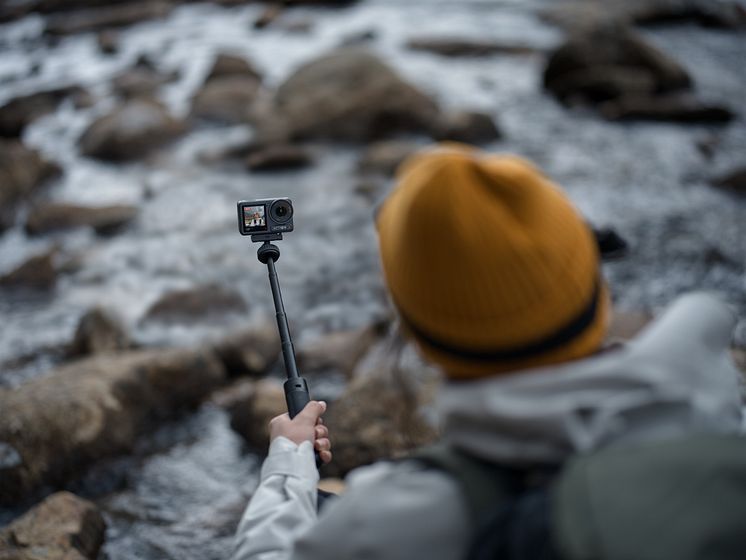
x=138 y=352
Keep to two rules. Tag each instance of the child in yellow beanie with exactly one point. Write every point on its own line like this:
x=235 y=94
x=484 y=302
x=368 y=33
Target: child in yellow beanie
x=496 y=278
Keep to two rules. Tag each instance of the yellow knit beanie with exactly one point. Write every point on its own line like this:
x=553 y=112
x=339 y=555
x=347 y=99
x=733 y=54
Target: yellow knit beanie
x=490 y=266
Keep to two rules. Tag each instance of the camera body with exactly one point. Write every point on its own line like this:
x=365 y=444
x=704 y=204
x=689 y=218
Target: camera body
x=266 y=218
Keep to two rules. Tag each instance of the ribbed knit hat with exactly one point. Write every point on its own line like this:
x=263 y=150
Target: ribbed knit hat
x=490 y=266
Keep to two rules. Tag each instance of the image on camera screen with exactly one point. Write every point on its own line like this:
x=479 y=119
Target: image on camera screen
x=254 y=218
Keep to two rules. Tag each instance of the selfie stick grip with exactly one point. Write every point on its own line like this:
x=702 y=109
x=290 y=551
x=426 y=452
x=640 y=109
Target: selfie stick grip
x=296 y=395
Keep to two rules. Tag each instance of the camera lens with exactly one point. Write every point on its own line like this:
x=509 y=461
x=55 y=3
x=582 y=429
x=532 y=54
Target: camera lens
x=281 y=211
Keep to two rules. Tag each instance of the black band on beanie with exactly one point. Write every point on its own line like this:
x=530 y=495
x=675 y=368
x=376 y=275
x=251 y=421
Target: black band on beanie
x=566 y=334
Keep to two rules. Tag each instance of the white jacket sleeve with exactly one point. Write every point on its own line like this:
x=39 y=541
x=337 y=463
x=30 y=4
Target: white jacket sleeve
x=283 y=506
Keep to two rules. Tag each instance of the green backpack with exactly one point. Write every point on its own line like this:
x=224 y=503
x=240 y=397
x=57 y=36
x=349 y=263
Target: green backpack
x=682 y=499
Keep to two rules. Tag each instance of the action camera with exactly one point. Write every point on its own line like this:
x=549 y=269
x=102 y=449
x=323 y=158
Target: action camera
x=269 y=216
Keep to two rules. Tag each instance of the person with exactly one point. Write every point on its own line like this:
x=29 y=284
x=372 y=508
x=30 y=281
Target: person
x=496 y=279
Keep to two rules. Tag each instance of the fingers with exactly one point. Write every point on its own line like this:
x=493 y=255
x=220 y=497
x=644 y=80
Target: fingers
x=326 y=456
x=312 y=412
x=321 y=432
x=324 y=447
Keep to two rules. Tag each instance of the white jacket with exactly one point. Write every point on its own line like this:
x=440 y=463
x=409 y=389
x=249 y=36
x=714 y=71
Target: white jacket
x=676 y=378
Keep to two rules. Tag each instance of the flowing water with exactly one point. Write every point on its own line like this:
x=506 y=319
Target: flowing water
x=179 y=495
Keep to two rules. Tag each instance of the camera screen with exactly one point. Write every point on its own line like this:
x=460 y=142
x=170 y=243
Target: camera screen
x=254 y=218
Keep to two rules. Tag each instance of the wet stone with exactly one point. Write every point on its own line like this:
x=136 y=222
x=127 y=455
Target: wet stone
x=99 y=330
x=105 y=220
x=131 y=131
x=36 y=273
x=463 y=47
x=62 y=527
x=370 y=101
x=203 y=302
x=279 y=157
x=733 y=181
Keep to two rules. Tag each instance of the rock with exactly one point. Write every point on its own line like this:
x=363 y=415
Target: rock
x=457 y=47
x=201 y=303
x=105 y=17
x=722 y=15
x=734 y=181
x=99 y=331
x=95 y=408
x=130 y=131
x=251 y=406
x=36 y=273
x=584 y=14
x=62 y=527
x=22 y=173
x=108 y=41
x=340 y=351
x=384 y=157
x=229 y=91
x=232 y=65
x=141 y=80
x=105 y=220
x=226 y=99
x=673 y=108
x=377 y=417
x=17 y=113
x=348 y=95
x=250 y=352
x=610 y=62
x=470 y=127
x=611 y=245
x=278 y=157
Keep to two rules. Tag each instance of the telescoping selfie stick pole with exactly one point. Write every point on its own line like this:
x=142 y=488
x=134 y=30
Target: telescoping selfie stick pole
x=296 y=387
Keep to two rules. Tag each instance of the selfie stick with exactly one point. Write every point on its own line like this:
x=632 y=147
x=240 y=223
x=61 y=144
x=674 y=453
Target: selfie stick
x=296 y=387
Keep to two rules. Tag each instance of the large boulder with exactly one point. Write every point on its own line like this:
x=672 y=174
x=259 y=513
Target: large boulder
x=105 y=220
x=348 y=95
x=130 y=131
x=230 y=89
x=62 y=527
x=613 y=69
x=22 y=172
x=20 y=111
x=609 y=62
x=199 y=303
x=58 y=424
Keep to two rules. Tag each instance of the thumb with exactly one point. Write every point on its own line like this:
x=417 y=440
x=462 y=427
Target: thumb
x=312 y=412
